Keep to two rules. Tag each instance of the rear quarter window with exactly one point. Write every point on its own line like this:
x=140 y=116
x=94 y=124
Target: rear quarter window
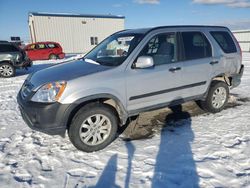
x=8 y=48
x=51 y=45
x=225 y=41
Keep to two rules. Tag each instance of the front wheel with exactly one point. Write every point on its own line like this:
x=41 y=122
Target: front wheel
x=94 y=127
x=217 y=97
x=7 y=70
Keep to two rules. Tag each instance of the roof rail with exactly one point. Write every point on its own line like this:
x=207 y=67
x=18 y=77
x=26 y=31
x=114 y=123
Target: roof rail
x=185 y=26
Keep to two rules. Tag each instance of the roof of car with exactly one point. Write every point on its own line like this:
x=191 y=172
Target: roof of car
x=45 y=42
x=146 y=30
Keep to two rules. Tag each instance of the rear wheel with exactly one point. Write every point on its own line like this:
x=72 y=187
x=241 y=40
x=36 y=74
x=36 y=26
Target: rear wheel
x=94 y=127
x=217 y=97
x=52 y=56
x=7 y=70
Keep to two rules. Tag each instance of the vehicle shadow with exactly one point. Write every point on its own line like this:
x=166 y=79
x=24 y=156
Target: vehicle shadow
x=175 y=166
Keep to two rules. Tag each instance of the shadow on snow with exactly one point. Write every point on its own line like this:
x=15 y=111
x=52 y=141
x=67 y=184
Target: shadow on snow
x=174 y=166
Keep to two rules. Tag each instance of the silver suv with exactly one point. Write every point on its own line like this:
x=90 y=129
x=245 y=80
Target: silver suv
x=11 y=58
x=130 y=72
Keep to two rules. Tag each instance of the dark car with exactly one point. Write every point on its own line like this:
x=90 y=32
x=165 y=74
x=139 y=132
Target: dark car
x=11 y=58
x=44 y=51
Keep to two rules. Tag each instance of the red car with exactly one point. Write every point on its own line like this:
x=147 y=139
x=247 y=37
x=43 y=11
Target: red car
x=44 y=51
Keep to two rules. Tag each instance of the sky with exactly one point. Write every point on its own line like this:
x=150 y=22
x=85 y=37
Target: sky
x=139 y=13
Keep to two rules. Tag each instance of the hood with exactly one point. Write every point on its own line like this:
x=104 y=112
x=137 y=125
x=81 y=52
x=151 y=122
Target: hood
x=65 y=71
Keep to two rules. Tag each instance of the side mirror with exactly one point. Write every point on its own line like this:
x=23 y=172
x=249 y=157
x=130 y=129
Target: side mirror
x=144 y=62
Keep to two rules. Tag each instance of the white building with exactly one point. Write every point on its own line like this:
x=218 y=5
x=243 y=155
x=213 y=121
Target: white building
x=243 y=37
x=77 y=33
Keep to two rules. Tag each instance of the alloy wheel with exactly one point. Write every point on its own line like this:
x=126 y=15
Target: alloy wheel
x=219 y=97
x=95 y=129
x=6 y=70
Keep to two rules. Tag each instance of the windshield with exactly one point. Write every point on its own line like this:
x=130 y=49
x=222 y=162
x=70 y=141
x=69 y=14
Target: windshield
x=114 y=50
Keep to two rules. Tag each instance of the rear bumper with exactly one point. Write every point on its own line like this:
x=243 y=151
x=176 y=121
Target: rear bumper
x=61 y=56
x=236 y=78
x=48 y=118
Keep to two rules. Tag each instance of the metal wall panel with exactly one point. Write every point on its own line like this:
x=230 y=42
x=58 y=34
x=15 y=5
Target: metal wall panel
x=243 y=37
x=73 y=33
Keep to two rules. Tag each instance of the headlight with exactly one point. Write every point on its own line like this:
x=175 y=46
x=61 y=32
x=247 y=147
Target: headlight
x=50 y=92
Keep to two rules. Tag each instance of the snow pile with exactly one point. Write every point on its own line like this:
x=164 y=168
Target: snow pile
x=206 y=150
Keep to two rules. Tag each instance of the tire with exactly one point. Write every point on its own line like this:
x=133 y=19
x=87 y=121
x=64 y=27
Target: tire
x=217 y=97
x=53 y=57
x=84 y=123
x=7 y=70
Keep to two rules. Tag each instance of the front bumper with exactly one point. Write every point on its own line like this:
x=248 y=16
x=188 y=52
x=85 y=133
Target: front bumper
x=28 y=63
x=24 y=64
x=236 y=78
x=50 y=118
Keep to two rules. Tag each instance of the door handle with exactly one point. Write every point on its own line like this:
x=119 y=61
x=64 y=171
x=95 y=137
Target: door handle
x=173 y=69
x=214 y=62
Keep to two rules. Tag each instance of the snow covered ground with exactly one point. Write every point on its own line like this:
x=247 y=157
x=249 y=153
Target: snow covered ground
x=206 y=150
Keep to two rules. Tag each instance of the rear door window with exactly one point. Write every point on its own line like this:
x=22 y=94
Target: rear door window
x=41 y=46
x=225 y=41
x=195 y=46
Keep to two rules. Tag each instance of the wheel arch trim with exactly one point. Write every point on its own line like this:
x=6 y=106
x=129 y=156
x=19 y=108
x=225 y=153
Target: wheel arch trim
x=76 y=105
